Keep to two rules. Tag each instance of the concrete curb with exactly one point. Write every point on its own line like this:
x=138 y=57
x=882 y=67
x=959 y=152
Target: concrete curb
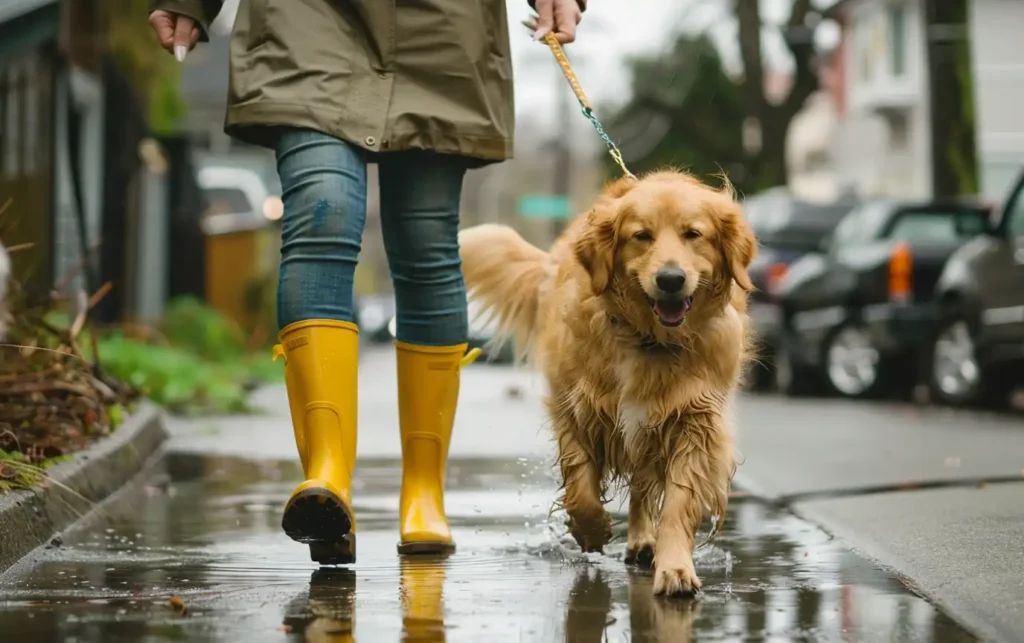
x=32 y=517
x=754 y=491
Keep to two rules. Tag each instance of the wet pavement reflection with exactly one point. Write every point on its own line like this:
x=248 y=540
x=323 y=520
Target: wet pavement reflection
x=205 y=531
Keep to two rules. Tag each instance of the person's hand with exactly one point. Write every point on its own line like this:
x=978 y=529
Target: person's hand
x=177 y=34
x=557 y=16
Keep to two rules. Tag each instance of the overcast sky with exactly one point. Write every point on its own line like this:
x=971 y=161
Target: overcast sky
x=609 y=34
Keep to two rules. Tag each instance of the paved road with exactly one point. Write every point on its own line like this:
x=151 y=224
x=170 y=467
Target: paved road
x=847 y=467
x=204 y=527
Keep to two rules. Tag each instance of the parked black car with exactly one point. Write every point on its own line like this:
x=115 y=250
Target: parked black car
x=787 y=228
x=857 y=316
x=977 y=351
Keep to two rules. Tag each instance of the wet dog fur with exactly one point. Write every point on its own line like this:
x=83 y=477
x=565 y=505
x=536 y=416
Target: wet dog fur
x=637 y=318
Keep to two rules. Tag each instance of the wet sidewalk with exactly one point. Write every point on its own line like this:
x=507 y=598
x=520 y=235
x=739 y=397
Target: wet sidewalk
x=206 y=530
x=203 y=530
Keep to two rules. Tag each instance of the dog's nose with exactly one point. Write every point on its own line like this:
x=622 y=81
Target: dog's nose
x=670 y=280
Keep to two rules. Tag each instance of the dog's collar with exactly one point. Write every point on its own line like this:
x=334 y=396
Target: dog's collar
x=648 y=343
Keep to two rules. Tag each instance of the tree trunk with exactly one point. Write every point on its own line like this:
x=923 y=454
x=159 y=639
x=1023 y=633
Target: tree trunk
x=954 y=155
x=772 y=162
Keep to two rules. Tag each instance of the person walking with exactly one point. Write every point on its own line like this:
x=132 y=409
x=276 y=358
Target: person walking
x=423 y=88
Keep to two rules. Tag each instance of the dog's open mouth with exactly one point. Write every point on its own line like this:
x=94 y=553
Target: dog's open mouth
x=672 y=312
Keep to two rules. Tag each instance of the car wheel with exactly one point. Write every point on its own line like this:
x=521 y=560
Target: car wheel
x=853 y=365
x=955 y=374
x=794 y=379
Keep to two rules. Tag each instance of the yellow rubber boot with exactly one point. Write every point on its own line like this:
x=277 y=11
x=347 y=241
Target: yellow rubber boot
x=294 y=408
x=428 y=391
x=321 y=376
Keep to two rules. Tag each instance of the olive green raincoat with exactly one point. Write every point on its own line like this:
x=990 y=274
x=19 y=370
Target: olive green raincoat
x=385 y=75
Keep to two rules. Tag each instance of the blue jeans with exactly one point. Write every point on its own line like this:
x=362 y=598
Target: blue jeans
x=324 y=194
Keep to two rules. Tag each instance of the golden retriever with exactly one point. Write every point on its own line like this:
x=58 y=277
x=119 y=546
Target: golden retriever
x=637 y=317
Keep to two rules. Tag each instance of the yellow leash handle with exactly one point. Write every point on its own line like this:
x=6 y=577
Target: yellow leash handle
x=563 y=62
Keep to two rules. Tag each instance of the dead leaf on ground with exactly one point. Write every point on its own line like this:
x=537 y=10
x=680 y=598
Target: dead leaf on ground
x=178 y=604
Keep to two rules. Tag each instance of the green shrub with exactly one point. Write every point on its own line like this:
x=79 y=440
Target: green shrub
x=190 y=324
x=175 y=377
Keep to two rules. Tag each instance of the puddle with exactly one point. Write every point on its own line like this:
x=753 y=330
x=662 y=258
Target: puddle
x=207 y=530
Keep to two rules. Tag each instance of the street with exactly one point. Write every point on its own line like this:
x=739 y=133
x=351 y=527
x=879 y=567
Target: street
x=193 y=551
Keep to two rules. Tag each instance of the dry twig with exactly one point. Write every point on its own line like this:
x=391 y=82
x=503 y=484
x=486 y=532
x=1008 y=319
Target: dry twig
x=53 y=402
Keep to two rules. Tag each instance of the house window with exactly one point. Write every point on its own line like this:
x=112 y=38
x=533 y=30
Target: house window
x=864 y=51
x=899 y=132
x=897 y=40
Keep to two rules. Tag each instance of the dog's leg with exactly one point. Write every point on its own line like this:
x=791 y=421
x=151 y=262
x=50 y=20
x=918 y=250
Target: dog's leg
x=697 y=480
x=588 y=521
x=640 y=541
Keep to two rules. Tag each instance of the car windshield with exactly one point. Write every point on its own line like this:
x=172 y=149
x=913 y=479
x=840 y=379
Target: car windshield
x=860 y=225
x=786 y=224
x=938 y=226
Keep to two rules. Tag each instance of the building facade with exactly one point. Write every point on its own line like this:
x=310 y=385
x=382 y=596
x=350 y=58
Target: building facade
x=28 y=85
x=998 y=69
x=881 y=144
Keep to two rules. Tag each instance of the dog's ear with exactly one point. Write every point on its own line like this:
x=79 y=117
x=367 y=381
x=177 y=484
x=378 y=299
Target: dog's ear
x=618 y=187
x=738 y=246
x=595 y=249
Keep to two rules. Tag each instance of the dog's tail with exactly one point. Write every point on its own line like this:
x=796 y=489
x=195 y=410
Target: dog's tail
x=507 y=276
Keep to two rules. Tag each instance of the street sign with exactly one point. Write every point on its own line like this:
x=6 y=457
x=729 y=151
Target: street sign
x=545 y=206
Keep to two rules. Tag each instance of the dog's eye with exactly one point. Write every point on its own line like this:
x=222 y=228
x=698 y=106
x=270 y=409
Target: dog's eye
x=691 y=234
x=643 y=235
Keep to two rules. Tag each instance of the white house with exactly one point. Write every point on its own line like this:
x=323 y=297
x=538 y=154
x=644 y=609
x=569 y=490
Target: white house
x=997 y=59
x=882 y=145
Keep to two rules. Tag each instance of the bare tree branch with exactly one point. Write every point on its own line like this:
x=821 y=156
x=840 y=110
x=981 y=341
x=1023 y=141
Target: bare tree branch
x=800 y=41
x=749 y=19
x=798 y=14
x=833 y=9
x=697 y=134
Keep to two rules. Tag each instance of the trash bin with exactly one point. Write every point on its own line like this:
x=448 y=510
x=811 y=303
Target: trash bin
x=238 y=254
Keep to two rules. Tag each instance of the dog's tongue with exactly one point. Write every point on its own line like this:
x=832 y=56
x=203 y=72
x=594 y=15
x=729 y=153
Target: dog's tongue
x=672 y=312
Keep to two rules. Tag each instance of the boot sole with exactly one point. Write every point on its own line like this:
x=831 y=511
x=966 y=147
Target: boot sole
x=320 y=519
x=426 y=549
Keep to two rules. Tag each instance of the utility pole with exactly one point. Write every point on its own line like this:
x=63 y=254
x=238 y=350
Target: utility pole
x=950 y=83
x=563 y=146
x=568 y=117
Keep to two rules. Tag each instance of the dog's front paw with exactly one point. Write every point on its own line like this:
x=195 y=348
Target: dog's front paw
x=592 y=531
x=640 y=554
x=675 y=580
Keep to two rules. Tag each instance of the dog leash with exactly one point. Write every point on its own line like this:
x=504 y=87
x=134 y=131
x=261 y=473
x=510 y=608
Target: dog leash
x=588 y=111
